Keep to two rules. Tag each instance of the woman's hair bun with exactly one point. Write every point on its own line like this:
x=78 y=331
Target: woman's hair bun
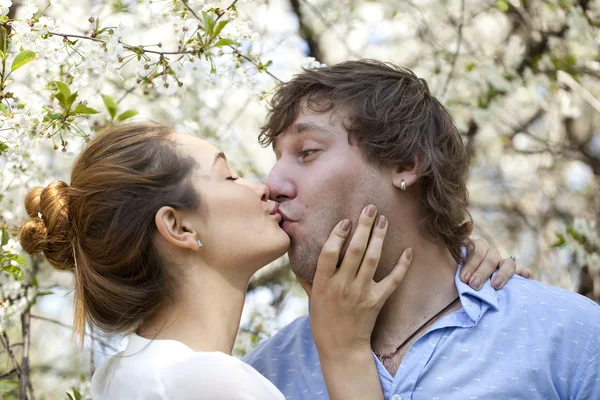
x=49 y=229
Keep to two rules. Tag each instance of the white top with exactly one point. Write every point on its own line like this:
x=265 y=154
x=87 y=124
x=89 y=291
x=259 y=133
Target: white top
x=168 y=370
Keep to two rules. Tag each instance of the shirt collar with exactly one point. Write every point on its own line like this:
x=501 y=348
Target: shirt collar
x=473 y=301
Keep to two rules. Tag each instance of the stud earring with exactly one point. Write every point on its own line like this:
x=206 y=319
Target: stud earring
x=403 y=185
x=199 y=244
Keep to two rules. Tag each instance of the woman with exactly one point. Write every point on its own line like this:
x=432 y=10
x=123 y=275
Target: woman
x=163 y=239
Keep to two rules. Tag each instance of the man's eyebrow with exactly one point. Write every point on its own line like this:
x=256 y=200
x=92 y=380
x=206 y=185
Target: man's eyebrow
x=302 y=127
x=218 y=156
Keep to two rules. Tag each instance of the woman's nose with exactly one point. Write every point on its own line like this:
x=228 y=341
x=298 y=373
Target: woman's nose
x=260 y=188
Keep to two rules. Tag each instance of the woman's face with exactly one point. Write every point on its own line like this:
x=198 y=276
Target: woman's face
x=238 y=225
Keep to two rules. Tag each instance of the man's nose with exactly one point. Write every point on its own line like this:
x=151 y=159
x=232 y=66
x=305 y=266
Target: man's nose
x=279 y=183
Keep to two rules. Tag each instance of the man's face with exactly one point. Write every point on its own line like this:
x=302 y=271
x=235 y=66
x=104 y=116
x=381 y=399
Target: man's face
x=319 y=179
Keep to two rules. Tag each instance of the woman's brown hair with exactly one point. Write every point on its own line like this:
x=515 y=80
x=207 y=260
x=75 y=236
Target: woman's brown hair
x=394 y=118
x=102 y=224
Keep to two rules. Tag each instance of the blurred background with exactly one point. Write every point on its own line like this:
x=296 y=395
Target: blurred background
x=521 y=78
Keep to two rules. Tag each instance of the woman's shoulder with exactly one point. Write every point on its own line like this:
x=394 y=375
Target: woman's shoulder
x=217 y=374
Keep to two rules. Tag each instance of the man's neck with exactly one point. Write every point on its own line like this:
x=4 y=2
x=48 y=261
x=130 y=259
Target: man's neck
x=427 y=288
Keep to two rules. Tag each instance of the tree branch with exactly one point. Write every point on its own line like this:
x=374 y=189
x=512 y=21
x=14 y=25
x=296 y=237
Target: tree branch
x=70 y=327
x=24 y=380
x=457 y=51
x=305 y=31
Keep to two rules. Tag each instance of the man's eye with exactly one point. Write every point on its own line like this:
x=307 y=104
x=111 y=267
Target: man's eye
x=307 y=153
x=233 y=178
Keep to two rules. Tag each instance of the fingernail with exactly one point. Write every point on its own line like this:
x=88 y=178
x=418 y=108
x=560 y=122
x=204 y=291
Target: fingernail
x=497 y=282
x=467 y=277
x=528 y=274
x=345 y=225
x=370 y=210
x=381 y=222
x=409 y=253
x=475 y=283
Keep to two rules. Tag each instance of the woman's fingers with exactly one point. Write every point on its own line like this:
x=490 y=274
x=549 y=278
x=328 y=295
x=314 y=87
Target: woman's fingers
x=391 y=282
x=358 y=244
x=474 y=259
x=506 y=269
x=524 y=272
x=372 y=255
x=330 y=253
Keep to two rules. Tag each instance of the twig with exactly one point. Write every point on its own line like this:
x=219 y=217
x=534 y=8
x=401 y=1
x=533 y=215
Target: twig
x=190 y=10
x=227 y=9
x=457 y=51
x=6 y=343
x=9 y=373
x=70 y=327
x=125 y=45
x=236 y=51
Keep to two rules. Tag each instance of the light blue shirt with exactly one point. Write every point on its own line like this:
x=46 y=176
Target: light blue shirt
x=526 y=341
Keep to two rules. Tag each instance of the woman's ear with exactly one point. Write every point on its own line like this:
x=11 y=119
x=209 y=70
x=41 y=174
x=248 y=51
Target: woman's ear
x=403 y=176
x=175 y=229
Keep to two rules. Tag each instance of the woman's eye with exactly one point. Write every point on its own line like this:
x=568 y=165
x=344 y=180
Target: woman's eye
x=233 y=178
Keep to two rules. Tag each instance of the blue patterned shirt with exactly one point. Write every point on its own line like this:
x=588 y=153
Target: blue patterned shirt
x=525 y=341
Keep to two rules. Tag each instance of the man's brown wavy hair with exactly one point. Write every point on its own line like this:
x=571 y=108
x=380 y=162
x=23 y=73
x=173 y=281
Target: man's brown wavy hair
x=394 y=118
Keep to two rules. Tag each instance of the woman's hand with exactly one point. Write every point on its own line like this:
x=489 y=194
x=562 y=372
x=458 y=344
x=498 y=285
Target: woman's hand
x=483 y=260
x=345 y=303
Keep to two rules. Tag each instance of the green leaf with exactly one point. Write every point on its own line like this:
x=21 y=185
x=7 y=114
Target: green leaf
x=52 y=115
x=22 y=58
x=268 y=64
x=41 y=294
x=19 y=259
x=61 y=99
x=63 y=88
x=224 y=42
x=69 y=397
x=111 y=105
x=209 y=23
x=4 y=234
x=77 y=394
x=126 y=115
x=560 y=242
x=14 y=271
x=3 y=147
x=471 y=66
x=8 y=386
x=83 y=109
x=502 y=5
x=71 y=100
x=220 y=25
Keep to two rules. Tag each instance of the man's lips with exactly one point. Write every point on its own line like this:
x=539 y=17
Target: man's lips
x=286 y=222
x=275 y=212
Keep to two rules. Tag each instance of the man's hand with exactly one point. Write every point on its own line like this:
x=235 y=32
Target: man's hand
x=483 y=261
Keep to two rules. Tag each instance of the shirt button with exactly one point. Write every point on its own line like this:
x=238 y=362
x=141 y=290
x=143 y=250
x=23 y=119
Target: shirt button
x=396 y=397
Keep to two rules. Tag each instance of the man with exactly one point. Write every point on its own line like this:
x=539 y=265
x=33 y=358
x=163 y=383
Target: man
x=365 y=132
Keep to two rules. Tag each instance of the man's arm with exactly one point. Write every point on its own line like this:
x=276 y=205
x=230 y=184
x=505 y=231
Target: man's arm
x=587 y=378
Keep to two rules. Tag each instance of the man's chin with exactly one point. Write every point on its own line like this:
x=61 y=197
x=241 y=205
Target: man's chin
x=303 y=272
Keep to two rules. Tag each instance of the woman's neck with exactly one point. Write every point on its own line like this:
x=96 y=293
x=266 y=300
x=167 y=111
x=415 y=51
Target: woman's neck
x=206 y=313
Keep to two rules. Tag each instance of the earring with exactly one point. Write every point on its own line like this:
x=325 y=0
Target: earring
x=199 y=244
x=403 y=185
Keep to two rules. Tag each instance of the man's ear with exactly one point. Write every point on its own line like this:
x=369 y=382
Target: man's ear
x=403 y=176
x=175 y=229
